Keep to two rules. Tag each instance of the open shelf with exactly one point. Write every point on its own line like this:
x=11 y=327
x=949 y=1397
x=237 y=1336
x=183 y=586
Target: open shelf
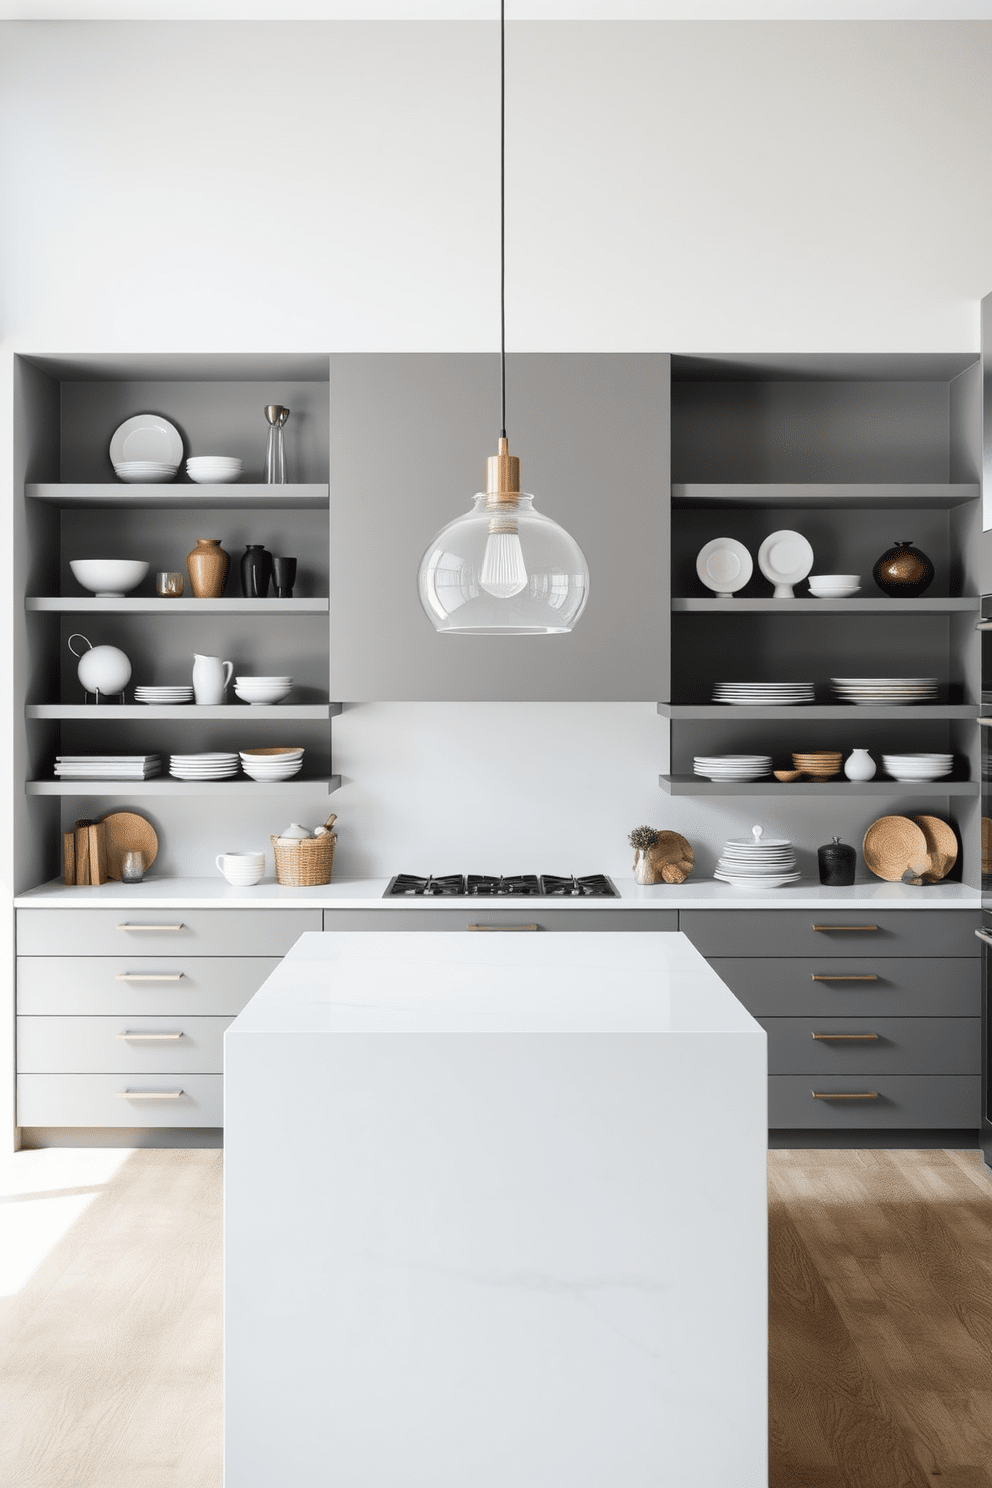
x=800 y=712
x=88 y=604
x=166 y=786
x=176 y=495
x=186 y=712
x=879 y=606
x=693 y=785
x=896 y=496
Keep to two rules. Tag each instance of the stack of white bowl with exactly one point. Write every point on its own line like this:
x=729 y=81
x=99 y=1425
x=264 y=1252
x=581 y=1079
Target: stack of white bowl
x=757 y=862
x=242 y=869
x=918 y=766
x=213 y=470
x=212 y=766
x=733 y=766
x=259 y=690
x=145 y=472
x=163 y=697
x=272 y=764
x=834 y=586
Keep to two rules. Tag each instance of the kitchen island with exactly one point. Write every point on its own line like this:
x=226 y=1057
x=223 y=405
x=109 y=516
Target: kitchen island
x=495 y=1217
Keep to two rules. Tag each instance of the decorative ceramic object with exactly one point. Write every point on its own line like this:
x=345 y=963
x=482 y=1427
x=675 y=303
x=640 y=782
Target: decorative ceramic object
x=207 y=565
x=169 y=585
x=837 y=863
x=211 y=677
x=102 y=669
x=294 y=833
x=256 y=571
x=724 y=565
x=859 y=765
x=903 y=572
x=284 y=574
x=784 y=558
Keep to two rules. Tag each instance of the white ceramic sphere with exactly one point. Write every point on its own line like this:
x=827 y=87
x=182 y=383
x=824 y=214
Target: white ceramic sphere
x=104 y=669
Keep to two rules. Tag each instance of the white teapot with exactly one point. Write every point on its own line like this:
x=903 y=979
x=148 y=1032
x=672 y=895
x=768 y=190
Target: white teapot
x=102 y=669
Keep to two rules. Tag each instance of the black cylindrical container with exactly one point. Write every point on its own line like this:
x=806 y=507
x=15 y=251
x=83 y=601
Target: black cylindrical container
x=256 y=572
x=837 y=863
x=284 y=573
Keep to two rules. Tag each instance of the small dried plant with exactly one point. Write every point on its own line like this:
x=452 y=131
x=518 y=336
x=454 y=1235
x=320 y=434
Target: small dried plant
x=643 y=838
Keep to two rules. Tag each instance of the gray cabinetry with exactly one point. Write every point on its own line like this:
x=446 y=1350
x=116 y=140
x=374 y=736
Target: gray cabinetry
x=483 y=920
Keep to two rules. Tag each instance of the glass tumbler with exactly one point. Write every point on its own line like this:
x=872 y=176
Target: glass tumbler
x=169 y=585
x=132 y=867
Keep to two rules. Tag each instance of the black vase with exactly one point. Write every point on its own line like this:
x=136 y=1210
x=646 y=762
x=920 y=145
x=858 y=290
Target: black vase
x=256 y=572
x=284 y=574
x=837 y=863
x=903 y=571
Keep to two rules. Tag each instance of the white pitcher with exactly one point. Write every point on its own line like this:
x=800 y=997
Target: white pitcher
x=211 y=677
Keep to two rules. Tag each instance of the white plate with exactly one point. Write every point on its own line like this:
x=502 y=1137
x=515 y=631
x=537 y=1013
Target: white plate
x=784 y=558
x=724 y=565
x=147 y=436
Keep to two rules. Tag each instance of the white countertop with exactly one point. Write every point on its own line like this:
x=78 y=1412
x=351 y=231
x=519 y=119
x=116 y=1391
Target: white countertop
x=366 y=893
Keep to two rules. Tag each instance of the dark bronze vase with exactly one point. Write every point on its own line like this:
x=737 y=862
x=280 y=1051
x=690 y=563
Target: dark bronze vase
x=903 y=572
x=256 y=572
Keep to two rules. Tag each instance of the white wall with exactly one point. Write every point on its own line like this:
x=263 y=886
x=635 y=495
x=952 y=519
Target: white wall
x=332 y=186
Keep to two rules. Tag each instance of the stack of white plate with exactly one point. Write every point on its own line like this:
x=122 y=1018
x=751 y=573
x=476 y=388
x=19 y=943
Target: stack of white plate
x=764 y=694
x=163 y=696
x=213 y=470
x=144 y=472
x=757 y=862
x=866 y=691
x=107 y=766
x=272 y=764
x=733 y=766
x=918 y=766
x=215 y=766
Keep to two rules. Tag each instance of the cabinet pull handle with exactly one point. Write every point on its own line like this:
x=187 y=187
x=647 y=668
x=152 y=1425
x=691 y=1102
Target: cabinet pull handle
x=500 y=927
x=986 y=722
x=148 y=976
x=158 y=1037
x=829 y=976
x=984 y=625
x=125 y=926
x=844 y=1094
x=149 y=1094
x=848 y=1036
x=984 y=935
x=845 y=927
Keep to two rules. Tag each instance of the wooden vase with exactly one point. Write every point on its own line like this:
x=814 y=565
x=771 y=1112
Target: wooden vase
x=207 y=565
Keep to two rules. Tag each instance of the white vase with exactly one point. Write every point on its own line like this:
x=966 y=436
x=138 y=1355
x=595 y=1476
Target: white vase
x=859 y=765
x=210 y=679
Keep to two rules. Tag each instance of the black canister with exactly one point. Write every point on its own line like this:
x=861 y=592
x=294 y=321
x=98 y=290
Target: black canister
x=837 y=863
x=256 y=571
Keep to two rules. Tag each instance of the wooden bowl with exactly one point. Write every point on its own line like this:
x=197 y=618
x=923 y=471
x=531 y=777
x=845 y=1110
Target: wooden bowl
x=787 y=775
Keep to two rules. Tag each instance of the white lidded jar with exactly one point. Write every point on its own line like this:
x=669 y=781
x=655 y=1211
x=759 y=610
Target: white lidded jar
x=859 y=765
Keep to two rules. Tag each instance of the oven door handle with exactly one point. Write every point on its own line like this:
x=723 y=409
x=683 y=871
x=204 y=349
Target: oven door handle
x=984 y=935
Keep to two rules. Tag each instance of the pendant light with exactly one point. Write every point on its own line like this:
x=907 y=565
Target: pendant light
x=503 y=569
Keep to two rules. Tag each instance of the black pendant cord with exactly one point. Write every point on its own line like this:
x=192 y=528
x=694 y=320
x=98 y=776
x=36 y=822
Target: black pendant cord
x=502 y=219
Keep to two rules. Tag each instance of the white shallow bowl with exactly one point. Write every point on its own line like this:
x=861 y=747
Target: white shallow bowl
x=148 y=478
x=108 y=578
x=213 y=478
x=247 y=681
x=835 y=581
x=258 y=696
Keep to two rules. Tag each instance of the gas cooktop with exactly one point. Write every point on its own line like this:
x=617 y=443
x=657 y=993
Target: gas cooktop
x=488 y=886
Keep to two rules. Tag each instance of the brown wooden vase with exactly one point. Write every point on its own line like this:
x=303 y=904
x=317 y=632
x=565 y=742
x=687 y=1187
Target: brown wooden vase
x=207 y=565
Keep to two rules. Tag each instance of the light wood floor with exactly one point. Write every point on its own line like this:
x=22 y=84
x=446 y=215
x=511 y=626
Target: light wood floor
x=880 y=1341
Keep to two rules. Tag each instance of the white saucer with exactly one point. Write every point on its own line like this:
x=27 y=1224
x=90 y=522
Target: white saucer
x=724 y=565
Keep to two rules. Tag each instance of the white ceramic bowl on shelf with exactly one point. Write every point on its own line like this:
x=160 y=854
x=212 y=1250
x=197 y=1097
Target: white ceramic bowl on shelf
x=834 y=586
x=213 y=469
x=145 y=472
x=108 y=578
x=262 y=694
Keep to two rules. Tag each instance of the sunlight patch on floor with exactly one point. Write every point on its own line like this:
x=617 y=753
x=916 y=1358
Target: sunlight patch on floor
x=42 y=1195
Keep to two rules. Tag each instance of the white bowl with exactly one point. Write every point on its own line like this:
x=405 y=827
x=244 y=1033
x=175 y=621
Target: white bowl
x=149 y=478
x=108 y=578
x=213 y=477
x=262 y=696
x=836 y=581
x=230 y=461
x=269 y=681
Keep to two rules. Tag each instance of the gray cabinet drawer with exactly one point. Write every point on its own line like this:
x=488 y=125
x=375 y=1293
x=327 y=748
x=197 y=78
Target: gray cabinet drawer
x=903 y=1046
x=137 y=932
x=521 y=914
x=907 y=987
x=100 y=1046
x=206 y=985
x=120 y=1100
x=901 y=1101
x=791 y=932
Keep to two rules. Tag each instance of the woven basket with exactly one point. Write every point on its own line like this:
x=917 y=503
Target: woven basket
x=308 y=862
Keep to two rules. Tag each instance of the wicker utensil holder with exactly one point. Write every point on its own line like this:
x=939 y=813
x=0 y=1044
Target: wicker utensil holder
x=308 y=862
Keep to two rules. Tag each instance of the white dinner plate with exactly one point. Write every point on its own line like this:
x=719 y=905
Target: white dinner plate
x=784 y=558
x=724 y=565
x=147 y=436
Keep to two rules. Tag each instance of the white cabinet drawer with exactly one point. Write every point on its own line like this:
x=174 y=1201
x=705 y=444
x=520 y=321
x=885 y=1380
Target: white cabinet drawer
x=120 y=1045
x=120 y=1100
x=197 y=985
x=137 y=932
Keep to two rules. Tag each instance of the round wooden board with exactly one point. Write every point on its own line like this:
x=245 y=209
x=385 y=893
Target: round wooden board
x=128 y=832
x=892 y=845
x=942 y=845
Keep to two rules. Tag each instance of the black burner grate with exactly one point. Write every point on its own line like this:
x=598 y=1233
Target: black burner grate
x=495 y=886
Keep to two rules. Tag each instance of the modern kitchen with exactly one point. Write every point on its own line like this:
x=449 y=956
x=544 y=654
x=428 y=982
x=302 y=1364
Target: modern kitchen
x=496 y=829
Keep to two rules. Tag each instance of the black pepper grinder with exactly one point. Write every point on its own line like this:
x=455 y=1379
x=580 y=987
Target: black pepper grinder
x=837 y=862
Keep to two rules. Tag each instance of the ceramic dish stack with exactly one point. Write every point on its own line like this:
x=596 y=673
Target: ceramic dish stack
x=918 y=766
x=262 y=690
x=272 y=764
x=163 y=697
x=107 y=766
x=834 y=586
x=213 y=766
x=757 y=862
x=819 y=764
x=764 y=694
x=213 y=470
x=888 y=691
x=733 y=766
x=145 y=472
x=146 y=449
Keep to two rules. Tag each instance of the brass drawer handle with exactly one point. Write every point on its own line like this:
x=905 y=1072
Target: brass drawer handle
x=984 y=625
x=845 y=927
x=148 y=976
x=154 y=1037
x=500 y=927
x=180 y=926
x=844 y=1094
x=149 y=1094
x=983 y=935
x=824 y=976
x=845 y=1036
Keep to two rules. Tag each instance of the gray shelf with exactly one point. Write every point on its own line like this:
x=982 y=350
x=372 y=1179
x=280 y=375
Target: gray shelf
x=879 y=606
x=88 y=604
x=895 y=496
x=186 y=712
x=692 y=785
x=220 y=790
x=178 y=495
x=728 y=713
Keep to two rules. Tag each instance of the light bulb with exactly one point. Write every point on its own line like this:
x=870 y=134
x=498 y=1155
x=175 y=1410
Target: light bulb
x=504 y=572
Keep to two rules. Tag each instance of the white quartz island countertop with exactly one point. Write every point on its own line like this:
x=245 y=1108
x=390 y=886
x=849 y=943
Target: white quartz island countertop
x=495 y=1217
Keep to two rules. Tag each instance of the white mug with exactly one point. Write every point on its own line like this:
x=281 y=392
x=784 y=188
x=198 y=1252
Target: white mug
x=241 y=868
x=210 y=679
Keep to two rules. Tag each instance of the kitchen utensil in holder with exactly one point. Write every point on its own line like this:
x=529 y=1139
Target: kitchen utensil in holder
x=308 y=862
